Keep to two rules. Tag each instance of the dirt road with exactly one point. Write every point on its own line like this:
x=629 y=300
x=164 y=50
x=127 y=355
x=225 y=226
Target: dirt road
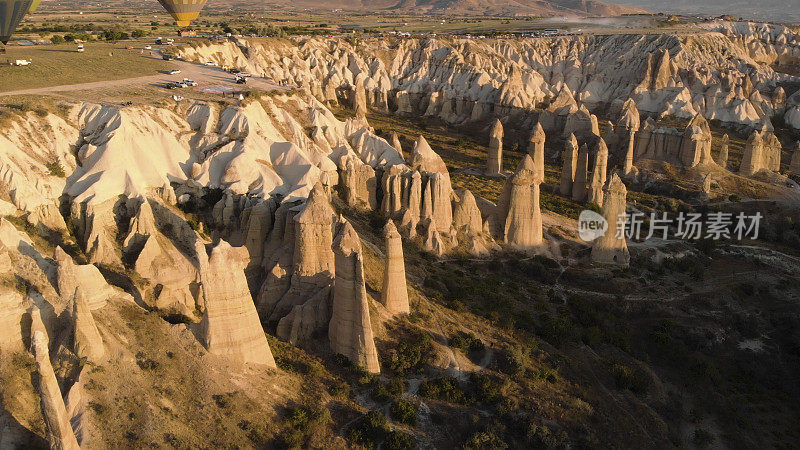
x=203 y=75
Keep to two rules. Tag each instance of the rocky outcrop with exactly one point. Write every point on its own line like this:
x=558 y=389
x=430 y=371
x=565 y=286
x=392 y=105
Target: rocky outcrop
x=722 y=156
x=753 y=157
x=12 y=310
x=94 y=287
x=230 y=325
x=519 y=207
x=581 y=174
x=358 y=183
x=599 y=172
x=396 y=143
x=59 y=431
x=296 y=292
x=350 y=329
x=432 y=241
x=569 y=161
x=536 y=149
x=494 y=165
x=172 y=260
x=394 y=294
x=611 y=247
x=424 y=159
x=441 y=195
x=466 y=215
x=628 y=124
x=87 y=342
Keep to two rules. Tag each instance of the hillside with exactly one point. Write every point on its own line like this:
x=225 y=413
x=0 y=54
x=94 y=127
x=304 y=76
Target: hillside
x=479 y=7
x=468 y=7
x=769 y=10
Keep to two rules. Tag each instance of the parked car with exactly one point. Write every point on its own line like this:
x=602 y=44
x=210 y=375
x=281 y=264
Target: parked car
x=241 y=80
x=148 y=47
x=210 y=63
x=189 y=82
x=174 y=71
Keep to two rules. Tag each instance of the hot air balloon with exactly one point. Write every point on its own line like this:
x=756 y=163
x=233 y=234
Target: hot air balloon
x=11 y=14
x=34 y=5
x=183 y=11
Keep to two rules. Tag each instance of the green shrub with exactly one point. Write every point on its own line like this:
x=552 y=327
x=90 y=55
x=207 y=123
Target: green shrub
x=55 y=169
x=488 y=388
x=396 y=387
x=397 y=440
x=512 y=360
x=405 y=412
x=558 y=330
x=466 y=342
x=411 y=355
x=539 y=436
x=635 y=379
x=369 y=430
x=445 y=389
x=380 y=393
x=485 y=440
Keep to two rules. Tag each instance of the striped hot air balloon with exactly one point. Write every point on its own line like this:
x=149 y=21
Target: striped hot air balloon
x=183 y=11
x=11 y=14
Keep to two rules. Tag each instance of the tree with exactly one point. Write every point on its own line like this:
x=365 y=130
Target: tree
x=57 y=39
x=138 y=33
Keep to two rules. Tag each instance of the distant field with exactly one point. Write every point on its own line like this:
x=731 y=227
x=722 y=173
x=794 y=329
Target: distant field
x=56 y=65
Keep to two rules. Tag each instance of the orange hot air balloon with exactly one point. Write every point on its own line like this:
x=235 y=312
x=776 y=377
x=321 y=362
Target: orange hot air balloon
x=11 y=14
x=183 y=11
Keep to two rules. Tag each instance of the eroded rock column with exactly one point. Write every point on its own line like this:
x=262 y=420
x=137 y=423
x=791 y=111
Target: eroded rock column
x=612 y=248
x=230 y=326
x=394 y=295
x=350 y=329
x=494 y=165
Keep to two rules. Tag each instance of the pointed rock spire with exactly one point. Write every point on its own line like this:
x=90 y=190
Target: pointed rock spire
x=569 y=160
x=581 y=174
x=87 y=342
x=59 y=431
x=494 y=165
x=536 y=150
x=396 y=143
x=424 y=159
x=394 y=294
x=350 y=329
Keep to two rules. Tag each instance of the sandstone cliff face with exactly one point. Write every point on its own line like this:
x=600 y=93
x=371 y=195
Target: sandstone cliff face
x=350 y=330
x=230 y=325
